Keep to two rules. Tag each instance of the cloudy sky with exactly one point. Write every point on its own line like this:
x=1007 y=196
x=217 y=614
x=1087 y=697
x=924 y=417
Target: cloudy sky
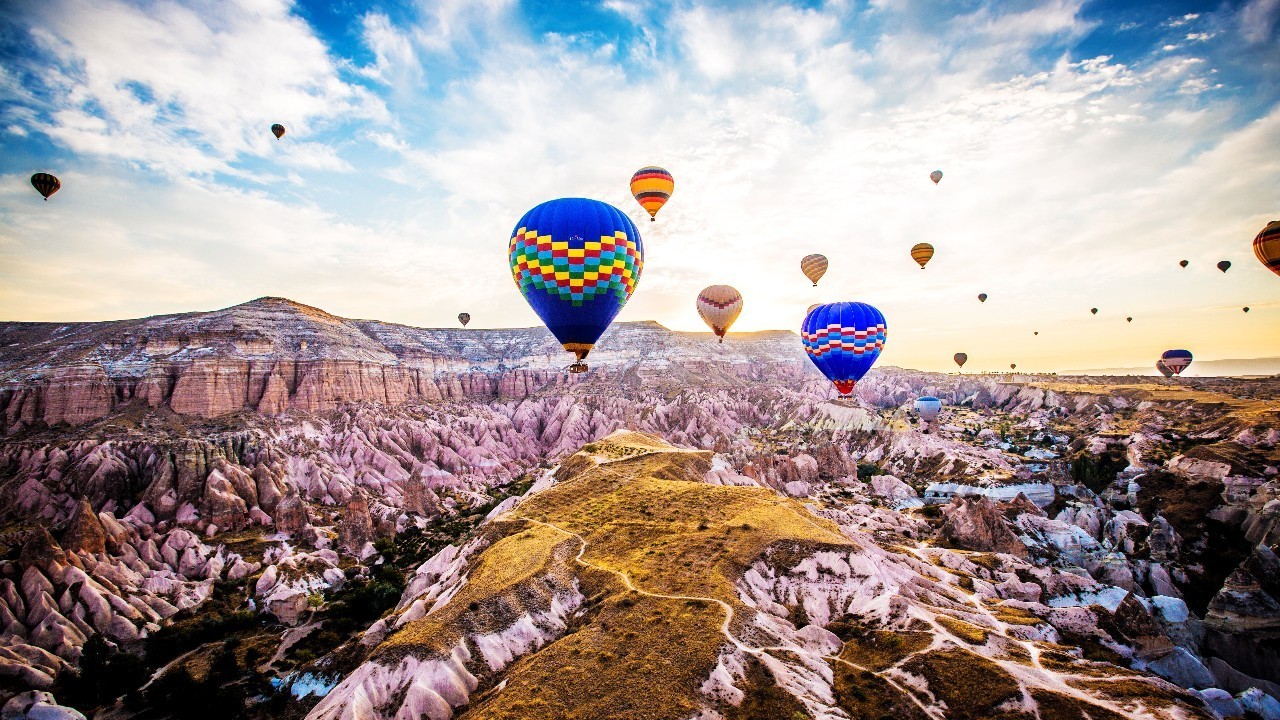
x=1087 y=148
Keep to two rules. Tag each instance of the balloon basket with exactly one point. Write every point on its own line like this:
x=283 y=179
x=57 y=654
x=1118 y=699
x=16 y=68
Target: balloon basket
x=578 y=367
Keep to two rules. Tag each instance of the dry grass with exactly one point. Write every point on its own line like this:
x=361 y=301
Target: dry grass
x=863 y=695
x=626 y=655
x=881 y=649
x=1054 y=706
x=967 y=632
x=970 y=685
x=1015 y=615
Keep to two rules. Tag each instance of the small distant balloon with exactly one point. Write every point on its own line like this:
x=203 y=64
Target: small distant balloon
x=1267 y=246
x=1224 y=265
x=464 y=318
x=1245 y=308
x=1013 y=366
x=814 y=267
x=1093 y=310
x=277 y=130
x=921 y=252
x=1128 y=319
x=719 y=306
x=960 y=359
x=652 y=187
x=936 y=176
x=982 y=297
x=1184 y=263
x=1036 y=332
x=45 y=184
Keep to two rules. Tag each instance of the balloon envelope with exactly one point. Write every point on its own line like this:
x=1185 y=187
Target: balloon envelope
x=982 y=297
x=464 y=318
x=1246 y=308
x=936 y=176
x=1224 y=265
x=1176 y=360
x=1164 y=369
x=45 y=184
x=1184 y=263
x=719 y=306
x=277 y=130
x=576 y=261
x=1093 y=310
x=843 y=340
x=1128 y=319
x=921 y=252
x=1267 y=246
x=814 y=267
x=652 y=187
x=960 y=359
x=928 y=407
x=1013 y=366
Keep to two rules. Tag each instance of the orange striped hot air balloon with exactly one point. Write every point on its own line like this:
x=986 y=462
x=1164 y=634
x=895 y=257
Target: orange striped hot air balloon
x=45 y=184
x=719 y=306
x=921 y=252
x=814 y=267
x=1267 y=246
x=652 y=187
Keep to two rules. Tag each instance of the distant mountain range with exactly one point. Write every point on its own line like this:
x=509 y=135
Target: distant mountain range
x=1200 y=368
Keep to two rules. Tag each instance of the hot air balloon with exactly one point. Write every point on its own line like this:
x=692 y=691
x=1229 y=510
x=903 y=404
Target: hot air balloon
x=1128 y=319
x=921 y=252
x=928 y=407
x=277 y=130
x=1176 y=360
x=652 y=186
x=1093 y=310
x=814 y=267
x=811 y=307
x=960 y=359
x=1245 y=308
x=1184 y=263
x=576 y=261
x=45 y=184
x=1036 y=332
x=719 y=306
x=1224 y=265
x=982 y=297
x=464 y=318
x=1164 y=369
x=1267 y=246
x=844 y=339
x=936 y=177
x=1013 y=366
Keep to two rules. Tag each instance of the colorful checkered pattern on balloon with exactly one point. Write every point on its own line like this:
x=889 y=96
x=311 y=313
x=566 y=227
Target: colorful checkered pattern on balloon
x=574 y=269
x=838 y=339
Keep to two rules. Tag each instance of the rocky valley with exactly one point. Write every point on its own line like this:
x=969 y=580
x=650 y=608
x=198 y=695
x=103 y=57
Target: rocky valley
x=293 y=514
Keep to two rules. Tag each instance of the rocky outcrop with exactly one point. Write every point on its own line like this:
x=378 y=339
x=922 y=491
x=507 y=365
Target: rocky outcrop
x=978 y=524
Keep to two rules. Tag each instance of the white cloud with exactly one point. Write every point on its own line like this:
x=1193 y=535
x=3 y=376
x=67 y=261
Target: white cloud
x=188 y=90
x=1258 y=20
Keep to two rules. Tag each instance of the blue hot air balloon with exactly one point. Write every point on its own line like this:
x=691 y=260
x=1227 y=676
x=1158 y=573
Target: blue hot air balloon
x=843 y=339
x=576 y=261
x=928 y=407
x=1176 y=360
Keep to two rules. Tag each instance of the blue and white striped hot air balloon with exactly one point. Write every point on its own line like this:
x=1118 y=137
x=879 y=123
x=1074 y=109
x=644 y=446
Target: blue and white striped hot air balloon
x=843 y=340
x=928 y=407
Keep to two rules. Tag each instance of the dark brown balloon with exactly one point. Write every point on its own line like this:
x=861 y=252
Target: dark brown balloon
x=45 y=184
x=277 y=130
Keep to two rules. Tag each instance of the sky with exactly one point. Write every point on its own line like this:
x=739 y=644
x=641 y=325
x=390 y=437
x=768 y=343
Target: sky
x=1087 y=147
